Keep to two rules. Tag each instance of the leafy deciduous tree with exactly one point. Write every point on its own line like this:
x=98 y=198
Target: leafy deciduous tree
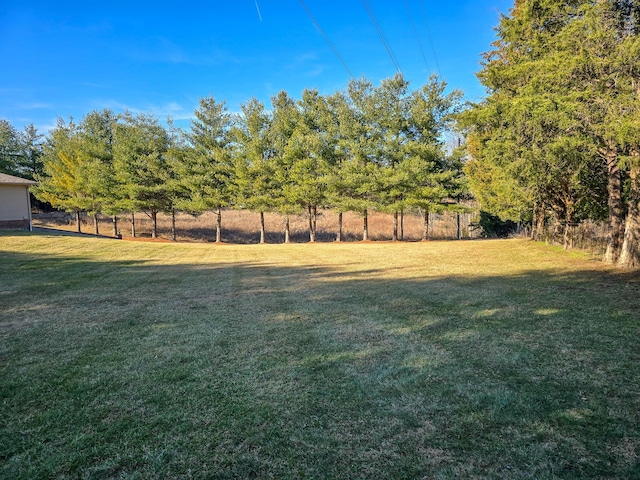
x=64 y=182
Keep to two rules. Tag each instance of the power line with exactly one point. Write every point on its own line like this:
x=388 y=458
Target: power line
x=424 y=13
x=258 y=9
x=415 y=30
x=378 y=29
x=317 y=25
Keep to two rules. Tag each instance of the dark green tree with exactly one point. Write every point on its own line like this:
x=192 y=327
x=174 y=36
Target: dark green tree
x=141 y=167
x=529 y=145
x=626 y=121
x=9 y=148
x=390 y=128
x=287 y=147
x=310 y=155
x=355 y=182
x=29 y=161
x=256 y=186
x=206 y=171
x=95 y=143
x=21 y=152
x=434 y=178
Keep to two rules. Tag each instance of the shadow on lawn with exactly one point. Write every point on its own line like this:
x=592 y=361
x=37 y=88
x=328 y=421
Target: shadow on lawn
x=330 y=372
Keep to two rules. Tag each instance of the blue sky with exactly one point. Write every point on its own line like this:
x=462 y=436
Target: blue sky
x=62 y=59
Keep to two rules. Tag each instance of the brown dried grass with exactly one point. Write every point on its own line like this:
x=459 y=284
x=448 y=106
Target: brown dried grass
x=243 y=227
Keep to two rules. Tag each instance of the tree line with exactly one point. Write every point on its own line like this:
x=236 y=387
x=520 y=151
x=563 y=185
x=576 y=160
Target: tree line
x=20 y=152
x=365 y=148
x=557 y=139
x=555 y=142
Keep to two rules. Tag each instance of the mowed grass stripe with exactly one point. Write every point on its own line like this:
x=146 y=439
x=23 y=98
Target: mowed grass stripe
x=472 y=359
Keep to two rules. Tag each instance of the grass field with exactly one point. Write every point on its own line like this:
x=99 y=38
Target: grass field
x=438 y=360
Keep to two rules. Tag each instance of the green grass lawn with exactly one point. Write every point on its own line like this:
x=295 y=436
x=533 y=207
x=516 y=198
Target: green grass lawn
x=470 y=359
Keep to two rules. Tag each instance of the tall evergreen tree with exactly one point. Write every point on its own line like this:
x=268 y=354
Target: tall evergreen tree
x=434 y=178
x=531 y=150
x=96 y=137
x=596 y=59
x=356 y=178
x=9 y=148
x=600 y=93
x=206 y=171
x=287 y=145
x=257 y=188
x=310 y=156
x=141 y=167
x=391 y=130
x=29 y=160
x=627 y=13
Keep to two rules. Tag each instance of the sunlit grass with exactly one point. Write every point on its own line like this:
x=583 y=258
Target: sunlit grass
x=472 y=359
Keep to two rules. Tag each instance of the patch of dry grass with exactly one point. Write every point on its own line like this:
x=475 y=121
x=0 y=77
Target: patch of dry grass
x=240 y=226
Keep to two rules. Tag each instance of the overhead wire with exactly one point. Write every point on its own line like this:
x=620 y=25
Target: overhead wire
x=258 y=9
x=317 y=25
x=380 y=34
x=415 y=31
x=435 y=56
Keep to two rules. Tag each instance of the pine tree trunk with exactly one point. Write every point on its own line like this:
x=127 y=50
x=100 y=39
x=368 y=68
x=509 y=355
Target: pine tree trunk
x=395 y=226
x=540 y=224
x=459 y=231
x=154 y=221
x=133 y=225
x=315 y=222
x=96 y=227
x=402 y=224
x=425 y=226
x=78 y=222
x=557 y=231
x=339 y=236
x=630 y=252
x=219 y=225
x=173 y=225
x=114 y=221
x=262 y=230
x=365 y=230
x=567 y=240
x=287 y=229
x=616 y=216
x=537 y=232
x=312 y=233
x=569 y=233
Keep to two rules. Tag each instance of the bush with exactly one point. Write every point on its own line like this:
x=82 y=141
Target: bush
x=492 y=226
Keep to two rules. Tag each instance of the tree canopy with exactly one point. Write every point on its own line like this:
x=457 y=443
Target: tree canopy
x=366 y=148
x=556 y=137
x=20 y=152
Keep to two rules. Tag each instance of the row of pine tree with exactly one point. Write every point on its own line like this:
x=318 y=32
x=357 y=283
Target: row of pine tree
x=365 y=148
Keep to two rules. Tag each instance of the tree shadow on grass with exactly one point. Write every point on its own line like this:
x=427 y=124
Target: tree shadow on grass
x=240 y=370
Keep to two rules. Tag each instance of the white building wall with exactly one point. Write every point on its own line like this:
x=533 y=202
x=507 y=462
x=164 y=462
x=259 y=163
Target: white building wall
x=14 y=202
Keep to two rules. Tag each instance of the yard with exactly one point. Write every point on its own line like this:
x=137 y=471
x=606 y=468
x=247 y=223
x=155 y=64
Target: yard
x=449 y=359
